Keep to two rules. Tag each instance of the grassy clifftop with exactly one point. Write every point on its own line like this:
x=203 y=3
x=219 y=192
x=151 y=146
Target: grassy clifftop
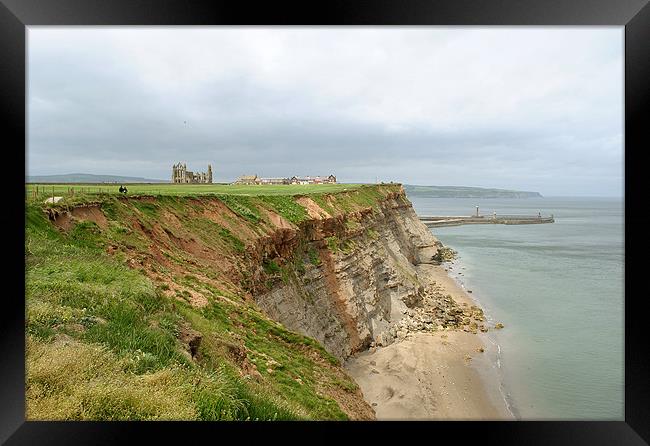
x=46 y=190
x=140 y=308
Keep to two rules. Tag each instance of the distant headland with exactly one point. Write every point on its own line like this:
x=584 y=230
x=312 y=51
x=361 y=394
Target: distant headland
x=89 y=178
x=466 y=192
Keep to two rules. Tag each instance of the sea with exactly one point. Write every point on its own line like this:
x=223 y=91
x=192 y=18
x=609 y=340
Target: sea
x=558 y=289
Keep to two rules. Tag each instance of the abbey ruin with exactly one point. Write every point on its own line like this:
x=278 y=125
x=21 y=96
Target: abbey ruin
x=180 y=174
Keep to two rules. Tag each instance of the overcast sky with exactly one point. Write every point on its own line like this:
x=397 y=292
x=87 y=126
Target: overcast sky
x=536 y=109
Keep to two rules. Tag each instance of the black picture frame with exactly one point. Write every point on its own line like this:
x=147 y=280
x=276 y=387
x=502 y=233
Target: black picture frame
x=16 y=15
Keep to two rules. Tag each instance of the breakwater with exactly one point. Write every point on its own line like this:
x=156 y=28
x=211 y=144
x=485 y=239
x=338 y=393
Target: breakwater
x=437 y=221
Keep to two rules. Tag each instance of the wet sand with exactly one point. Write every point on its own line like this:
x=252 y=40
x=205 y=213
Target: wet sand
x=432 y=376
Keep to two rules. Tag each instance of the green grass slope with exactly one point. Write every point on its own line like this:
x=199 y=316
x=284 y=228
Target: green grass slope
x=107 y=341
x=67 y=190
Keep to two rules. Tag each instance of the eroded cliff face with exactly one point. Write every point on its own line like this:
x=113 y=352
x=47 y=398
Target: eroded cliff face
x=347 y=271
x=362 y=277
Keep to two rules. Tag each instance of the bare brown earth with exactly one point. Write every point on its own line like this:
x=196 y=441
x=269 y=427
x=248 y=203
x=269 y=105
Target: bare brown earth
x=277 y=220
x=66 y=220
x=219 y=213
x=312 y=208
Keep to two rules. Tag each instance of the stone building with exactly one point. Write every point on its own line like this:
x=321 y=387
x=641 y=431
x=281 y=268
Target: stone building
x=254 y=179
x=181 y=175
x=313 y=180
x=273 y=180
x=247 y=179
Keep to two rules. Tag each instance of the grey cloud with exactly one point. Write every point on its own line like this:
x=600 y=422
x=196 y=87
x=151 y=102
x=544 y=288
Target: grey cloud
x=97 y=105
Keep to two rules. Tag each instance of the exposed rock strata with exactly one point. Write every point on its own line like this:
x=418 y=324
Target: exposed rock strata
x=369 y=291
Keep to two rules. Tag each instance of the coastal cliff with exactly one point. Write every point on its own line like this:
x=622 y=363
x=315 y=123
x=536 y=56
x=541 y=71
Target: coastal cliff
x=363 y=286
x=271 y=293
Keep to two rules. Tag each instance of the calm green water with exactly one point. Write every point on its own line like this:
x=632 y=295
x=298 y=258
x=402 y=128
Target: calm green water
x=558 y=289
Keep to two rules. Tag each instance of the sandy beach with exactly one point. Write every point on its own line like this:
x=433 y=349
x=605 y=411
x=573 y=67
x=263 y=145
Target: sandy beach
x=432 y=376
